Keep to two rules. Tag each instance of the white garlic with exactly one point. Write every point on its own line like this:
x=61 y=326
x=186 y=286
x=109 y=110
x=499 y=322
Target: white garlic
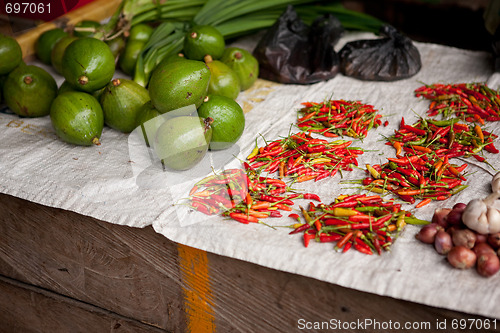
x=493 y=216
x=474 y=216
x=483 y=215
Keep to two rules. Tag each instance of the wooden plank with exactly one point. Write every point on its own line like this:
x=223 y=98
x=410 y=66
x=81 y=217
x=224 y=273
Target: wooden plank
x=27 y=309
x=143 y=276
x=252 y=298
x=130 y=271
x=197 y=289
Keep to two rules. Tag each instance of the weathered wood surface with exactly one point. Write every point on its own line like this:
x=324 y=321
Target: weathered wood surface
x=129 y=271
x=59 y=267
x=26 y=309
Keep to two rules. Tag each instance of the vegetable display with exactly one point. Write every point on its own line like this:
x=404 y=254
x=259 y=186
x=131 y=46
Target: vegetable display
x=463 y=246
x=334 y=118
x=367 y=223
x=474 y=102
x=243 y=195
x=483 y=215
x=231 y=18
x=176 y=56
x=302 y=157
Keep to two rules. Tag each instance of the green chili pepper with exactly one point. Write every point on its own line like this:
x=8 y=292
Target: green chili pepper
x=443 y=123
x=419 y=142
x=415 y=221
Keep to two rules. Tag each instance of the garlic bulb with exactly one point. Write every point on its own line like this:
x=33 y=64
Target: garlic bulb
x=483 y=215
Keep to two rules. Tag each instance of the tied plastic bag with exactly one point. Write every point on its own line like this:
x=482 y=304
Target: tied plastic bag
x=385 y=59
x=293 y=52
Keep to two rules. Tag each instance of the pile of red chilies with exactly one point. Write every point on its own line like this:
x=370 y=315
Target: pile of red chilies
x=443 y=138
x=338 y=118
x=303 y=158
x=416 y=176
x=244 y=196
x=422 y=168
x=474 y=102
x=368 y=224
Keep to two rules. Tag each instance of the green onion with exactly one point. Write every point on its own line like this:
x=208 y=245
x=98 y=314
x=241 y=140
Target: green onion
x=233 y=18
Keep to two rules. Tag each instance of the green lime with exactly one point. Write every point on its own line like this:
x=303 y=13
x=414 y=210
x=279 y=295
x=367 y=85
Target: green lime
x=228 y=120
x=223 y=80
x=202 y=40
x=29 y=91
x=182 y=142
x=174 y=85
x=140 y=32
x=174 y=57
x=11 y=54
x=88 y=64
x=243 y=63
x=45 y=43
x=58 y=50
x=121 y=101
x=128 y=57
x=146 y=113
x=77 y=118
x=86 y=28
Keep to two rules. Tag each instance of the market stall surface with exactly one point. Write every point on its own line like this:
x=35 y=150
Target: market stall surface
x=118 y=183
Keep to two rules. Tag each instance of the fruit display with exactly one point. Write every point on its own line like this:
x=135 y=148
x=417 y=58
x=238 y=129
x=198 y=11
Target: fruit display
x=10 y=53
x=177 y=84
x=88 y=64
x=46 y=42
x=57 y=52
x=202 y=40
x=121 y=102
x=29 y=91
x=243 y=63
x=181 y=142
x=175 y=55
x=228 y=120
x=77 y=118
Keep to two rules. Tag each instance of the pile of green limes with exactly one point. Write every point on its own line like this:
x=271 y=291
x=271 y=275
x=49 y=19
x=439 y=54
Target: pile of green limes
x=206 y=74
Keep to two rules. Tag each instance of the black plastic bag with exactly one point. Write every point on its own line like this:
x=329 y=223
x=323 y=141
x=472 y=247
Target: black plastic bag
x=293 y=52
x=384 y=59
x=496 y=50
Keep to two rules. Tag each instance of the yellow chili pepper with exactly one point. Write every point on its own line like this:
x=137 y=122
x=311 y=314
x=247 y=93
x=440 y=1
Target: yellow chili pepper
x=344 y=212
x=320 y=160
x=378 y=190
x=254 y=153
x=375 y=174
x=479 y=133
x=400 y=222
x=307 y=217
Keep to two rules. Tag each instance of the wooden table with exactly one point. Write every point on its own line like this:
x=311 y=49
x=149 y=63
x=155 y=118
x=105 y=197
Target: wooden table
x=64 y=272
